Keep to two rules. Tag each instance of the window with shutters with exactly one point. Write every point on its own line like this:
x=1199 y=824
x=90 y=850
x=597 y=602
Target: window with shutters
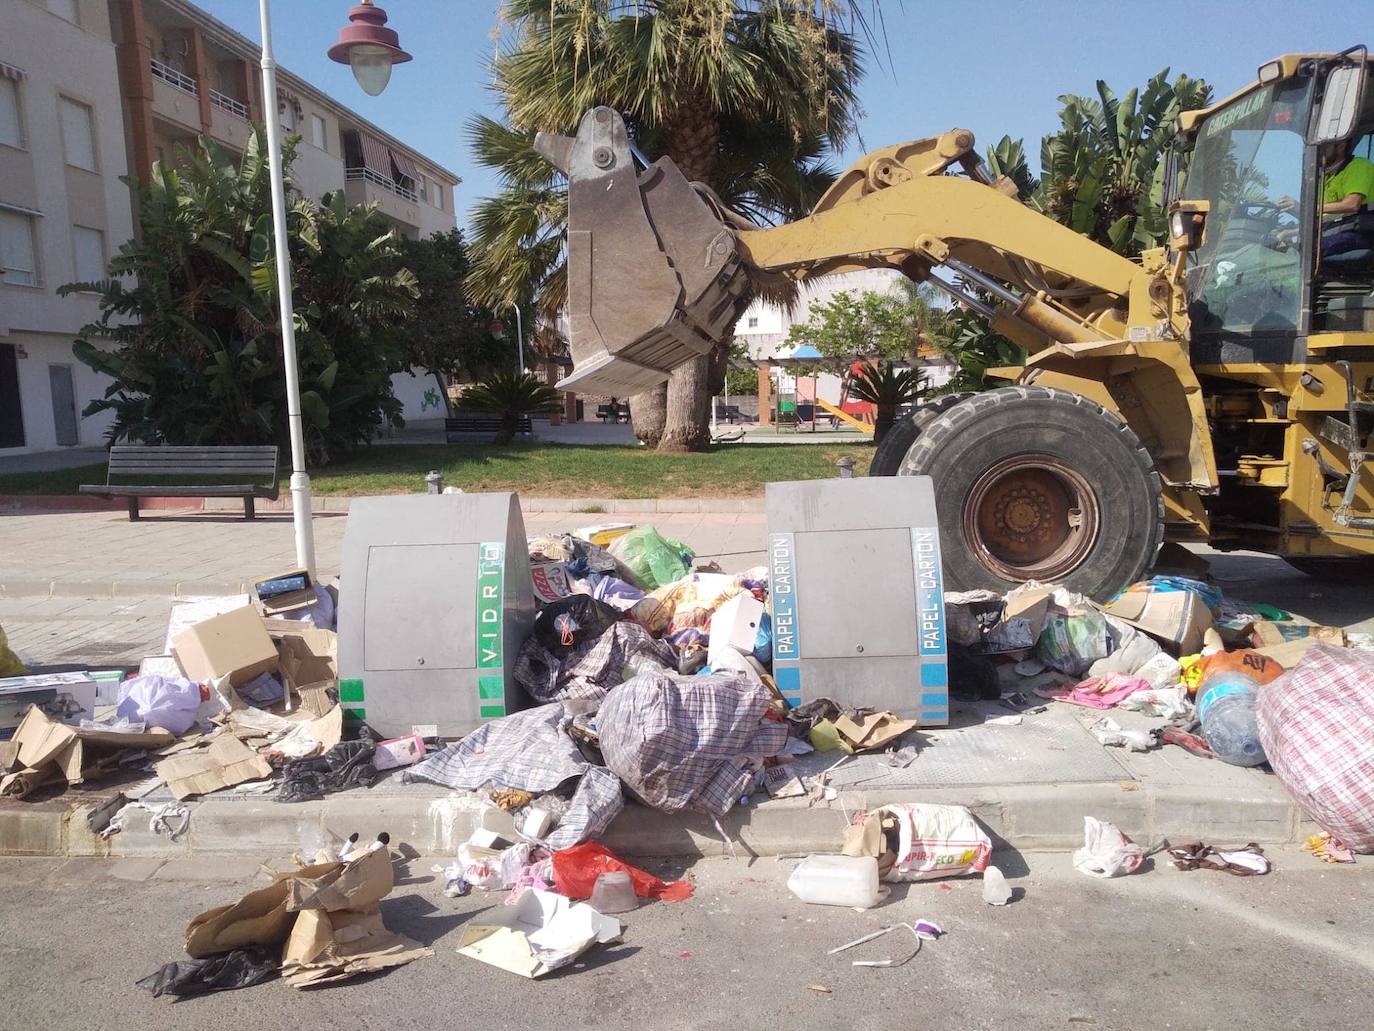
x=90 y=254
x=18 y=258
x=78 y=133
x=11 y=125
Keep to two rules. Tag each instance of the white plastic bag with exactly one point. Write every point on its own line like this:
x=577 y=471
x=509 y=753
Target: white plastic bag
x=481 y=866
x=166 y=702
x=1106 y=852
x=936 y=841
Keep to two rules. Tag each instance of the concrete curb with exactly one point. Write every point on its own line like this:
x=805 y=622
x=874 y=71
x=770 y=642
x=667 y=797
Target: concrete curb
x=1031 y=817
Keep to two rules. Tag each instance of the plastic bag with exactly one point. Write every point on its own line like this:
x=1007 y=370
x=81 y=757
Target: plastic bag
x=347 y=765
x=687 y=604
x=654 y=560
x=167 y=702
x=1137 y=653
x=481 y=866
x=238 y=968
x=10 y=666
x=576 y=869
x=935 y=841
x=572 y=621
x=1073 y=639
x=1106 y=852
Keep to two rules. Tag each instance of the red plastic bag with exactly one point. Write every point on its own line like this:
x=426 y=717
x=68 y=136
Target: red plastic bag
x=576 y=869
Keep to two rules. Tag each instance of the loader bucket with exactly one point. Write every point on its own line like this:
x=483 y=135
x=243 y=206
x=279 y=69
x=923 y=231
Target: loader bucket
x=654 y=276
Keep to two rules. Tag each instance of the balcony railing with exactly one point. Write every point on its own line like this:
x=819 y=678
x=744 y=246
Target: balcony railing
x=225 y=103
x=362 y=172
x=174 y=78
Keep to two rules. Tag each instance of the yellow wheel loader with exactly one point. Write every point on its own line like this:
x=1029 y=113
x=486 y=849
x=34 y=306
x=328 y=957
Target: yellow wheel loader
x=1218 y=389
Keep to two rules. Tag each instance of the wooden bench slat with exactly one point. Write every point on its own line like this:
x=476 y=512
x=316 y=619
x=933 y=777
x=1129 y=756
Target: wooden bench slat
x=257 y=461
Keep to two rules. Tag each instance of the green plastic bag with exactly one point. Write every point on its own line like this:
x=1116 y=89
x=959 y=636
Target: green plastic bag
x=654 y=560
x=10 y=666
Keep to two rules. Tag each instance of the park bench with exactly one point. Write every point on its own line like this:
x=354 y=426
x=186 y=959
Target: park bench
x=480 y=423
x=613 y=413
x=204 y=466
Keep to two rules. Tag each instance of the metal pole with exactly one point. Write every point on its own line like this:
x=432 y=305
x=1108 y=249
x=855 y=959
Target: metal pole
x=300 y=481
x=519 y=336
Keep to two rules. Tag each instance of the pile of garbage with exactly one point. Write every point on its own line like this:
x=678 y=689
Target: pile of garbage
x=652 y=680
x=1237 y=681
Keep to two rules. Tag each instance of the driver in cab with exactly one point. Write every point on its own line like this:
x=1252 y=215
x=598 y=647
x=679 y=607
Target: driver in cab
x=1349 y=186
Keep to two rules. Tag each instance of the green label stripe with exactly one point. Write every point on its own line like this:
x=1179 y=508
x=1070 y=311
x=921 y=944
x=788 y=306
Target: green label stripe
x=350 y=690
x=491 y=574
x=355 y=715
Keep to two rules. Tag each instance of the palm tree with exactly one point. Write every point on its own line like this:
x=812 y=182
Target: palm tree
x=511 y=395
x=887 y=389
x=745 y=96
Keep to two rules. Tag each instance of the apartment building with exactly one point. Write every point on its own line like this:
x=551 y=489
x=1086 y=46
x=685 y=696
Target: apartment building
x=183 y=74
x=63 y=212
x=92 y=90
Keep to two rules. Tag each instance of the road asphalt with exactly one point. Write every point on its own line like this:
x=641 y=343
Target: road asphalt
x=1159 y=949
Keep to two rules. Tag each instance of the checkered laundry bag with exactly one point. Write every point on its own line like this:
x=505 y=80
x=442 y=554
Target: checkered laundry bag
x=1316 y=722
x=688 y=742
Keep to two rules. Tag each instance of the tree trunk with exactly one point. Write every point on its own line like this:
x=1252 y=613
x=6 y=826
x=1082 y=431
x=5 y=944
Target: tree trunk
x=693 y=142
x=648 y=411
x=688 y=424
x=883 y=420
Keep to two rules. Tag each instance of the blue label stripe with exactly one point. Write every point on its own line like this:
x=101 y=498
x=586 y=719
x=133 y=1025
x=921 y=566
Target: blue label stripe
x=931 y=647
x=782 y=590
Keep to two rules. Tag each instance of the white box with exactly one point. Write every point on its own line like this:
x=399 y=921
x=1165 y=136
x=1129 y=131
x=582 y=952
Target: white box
x=65 y=697
x=734 y=626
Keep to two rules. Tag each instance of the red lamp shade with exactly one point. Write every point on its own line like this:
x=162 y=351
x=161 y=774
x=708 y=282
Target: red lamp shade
x=369 y=47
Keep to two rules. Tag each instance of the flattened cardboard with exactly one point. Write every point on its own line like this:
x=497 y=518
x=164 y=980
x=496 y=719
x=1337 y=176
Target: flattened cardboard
x=875 y=731
x=326 y=947
x=228 y=761
x=232 y=645
x=43 y=750
x=539 y=934
x=259 y=918
x=1023 y=617
x=357 y=884
x=1177 y=618
x=1265 y=634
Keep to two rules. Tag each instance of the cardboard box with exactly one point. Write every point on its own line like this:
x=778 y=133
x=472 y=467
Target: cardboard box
x=187 y=612
x=232 y=645
x=289 y=591
x=1176 y=618
x=399 y=751
x=65 y=697
x=1264 y=634
x=550 y=581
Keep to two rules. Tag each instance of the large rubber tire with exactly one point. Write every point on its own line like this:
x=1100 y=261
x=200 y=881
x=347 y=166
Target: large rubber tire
x=888 y=455
x=1357 y=570
x=1029 y=467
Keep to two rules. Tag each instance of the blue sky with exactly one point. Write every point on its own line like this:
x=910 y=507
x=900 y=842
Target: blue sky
x=996 y=68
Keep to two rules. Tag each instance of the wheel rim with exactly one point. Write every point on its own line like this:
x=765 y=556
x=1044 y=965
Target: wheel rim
x=1031 y=517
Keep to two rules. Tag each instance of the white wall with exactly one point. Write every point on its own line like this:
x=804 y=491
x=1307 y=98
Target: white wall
x=419 y=393
x=79 y=62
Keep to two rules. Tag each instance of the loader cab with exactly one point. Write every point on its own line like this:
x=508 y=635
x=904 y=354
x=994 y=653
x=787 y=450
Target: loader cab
x=1258 y=282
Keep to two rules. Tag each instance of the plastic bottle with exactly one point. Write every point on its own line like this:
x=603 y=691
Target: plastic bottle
x=836 y=881
x=1226 y=706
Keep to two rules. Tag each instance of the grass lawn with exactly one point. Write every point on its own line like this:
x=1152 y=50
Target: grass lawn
x=543 y=470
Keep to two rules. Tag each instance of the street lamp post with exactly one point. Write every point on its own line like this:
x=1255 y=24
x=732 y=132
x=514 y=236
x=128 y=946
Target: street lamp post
x=519 y=336
x=300 y=480
x=370 y=49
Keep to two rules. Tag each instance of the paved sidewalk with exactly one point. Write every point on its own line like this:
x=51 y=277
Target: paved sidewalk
x=104 y=555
